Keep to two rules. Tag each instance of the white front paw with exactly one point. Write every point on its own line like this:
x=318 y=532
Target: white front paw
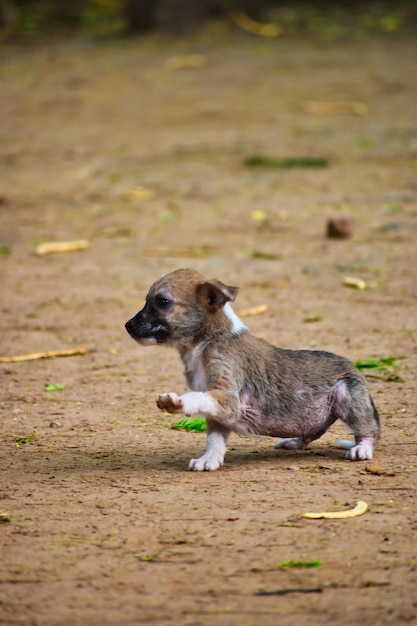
x=207 y=462
x=361 y=452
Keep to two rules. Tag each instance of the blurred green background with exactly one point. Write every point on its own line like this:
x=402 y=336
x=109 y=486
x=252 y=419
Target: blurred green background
x=37 y=18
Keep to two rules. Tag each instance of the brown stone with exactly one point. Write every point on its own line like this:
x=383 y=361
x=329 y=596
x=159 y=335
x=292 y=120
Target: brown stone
x=339 y=227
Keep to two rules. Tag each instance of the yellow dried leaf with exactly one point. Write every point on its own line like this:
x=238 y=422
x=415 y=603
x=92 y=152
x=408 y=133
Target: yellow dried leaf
x=258 y=215
x=42 y=355
x=255 y=310
x=360 y=508
x=61 y=246
x=139 y=193
x=256 y=28
x=354 y=282
x=378 y=471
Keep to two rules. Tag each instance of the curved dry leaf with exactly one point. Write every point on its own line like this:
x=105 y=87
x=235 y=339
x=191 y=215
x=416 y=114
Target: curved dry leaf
x=360 y=508
x=256 y=28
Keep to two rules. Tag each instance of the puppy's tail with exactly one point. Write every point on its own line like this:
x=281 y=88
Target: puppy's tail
x=376 y=414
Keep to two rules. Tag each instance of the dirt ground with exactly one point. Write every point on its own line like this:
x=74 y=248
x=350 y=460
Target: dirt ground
x=101 y=522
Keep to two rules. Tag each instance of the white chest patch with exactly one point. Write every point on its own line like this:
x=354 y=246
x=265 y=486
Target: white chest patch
x=237 y=324
x=194 y=368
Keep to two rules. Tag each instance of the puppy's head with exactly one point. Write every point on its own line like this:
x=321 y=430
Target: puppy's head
x=181 y=308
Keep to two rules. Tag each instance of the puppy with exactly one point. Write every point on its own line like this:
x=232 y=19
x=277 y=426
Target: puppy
x=243 y=384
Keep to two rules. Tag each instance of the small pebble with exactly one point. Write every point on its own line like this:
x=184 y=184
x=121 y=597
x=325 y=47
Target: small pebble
x=54 y=424
x=339 y=228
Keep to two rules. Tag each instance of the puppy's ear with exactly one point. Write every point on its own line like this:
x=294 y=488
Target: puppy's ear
x=214 y=294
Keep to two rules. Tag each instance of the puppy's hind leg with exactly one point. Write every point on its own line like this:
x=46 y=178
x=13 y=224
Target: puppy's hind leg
x=353 y=404
x=291 y=443
x=213 y=457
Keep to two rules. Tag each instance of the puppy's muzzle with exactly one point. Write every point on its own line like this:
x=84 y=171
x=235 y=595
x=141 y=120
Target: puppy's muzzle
x=145 y=331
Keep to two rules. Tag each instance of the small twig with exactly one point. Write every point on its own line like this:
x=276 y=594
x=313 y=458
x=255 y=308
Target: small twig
x=284 y=592
x=16 y=581
x=42 y=355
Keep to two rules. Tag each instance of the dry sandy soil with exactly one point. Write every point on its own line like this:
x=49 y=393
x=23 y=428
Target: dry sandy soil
x=101 y=522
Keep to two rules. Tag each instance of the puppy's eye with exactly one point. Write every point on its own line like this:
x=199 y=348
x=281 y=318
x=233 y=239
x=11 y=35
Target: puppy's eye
x=162 y=302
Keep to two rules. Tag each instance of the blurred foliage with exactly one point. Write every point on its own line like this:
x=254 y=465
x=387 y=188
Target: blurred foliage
x=20 y=18
x=98 y=12
x=28 y=17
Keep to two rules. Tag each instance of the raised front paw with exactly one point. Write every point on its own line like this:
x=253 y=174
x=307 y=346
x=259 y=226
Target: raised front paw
x=206 y=463
x=170 y=403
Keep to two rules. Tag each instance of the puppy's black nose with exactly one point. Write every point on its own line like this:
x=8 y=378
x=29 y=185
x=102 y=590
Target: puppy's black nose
x=130 y=327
